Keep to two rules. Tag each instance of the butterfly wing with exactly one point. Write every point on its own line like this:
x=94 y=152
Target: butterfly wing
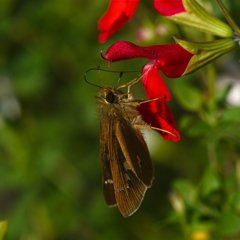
x=130 y=175
x=129 y=190
x=107 y=179
x=135 y=151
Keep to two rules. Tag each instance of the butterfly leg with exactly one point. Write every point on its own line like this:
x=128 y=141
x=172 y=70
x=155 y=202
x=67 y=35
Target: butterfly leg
x=129 y=84
x=135 y=80
x=144 y=126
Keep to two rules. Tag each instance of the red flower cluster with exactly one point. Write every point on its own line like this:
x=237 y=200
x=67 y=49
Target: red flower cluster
x=172 y=60
x=121 y=11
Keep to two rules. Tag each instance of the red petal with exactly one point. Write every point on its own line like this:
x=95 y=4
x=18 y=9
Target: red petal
x=172 y=59
x=157 y=114
x=124 y=50
x=153 y=83
x=169 y=7
x=118 y=13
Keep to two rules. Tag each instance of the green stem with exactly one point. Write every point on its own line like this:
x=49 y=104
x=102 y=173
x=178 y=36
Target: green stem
x=210 y=112
x=212 y=85
x=238 y=172
x=228 y=17
x=212 y=156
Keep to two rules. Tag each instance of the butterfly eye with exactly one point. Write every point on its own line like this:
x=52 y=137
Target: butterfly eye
x=111 y=97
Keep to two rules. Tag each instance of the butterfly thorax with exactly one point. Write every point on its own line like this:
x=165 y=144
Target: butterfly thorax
x=113 y=103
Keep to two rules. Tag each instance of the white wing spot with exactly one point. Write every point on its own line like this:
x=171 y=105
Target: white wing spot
x=110 y=181
x=126 y=166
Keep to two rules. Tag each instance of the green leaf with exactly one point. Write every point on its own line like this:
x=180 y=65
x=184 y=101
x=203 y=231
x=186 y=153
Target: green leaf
x=234 y=201
x=229 y=223
x=222 y=94
x=185 y=189
x=231 y=115
x=199 y=129
x=197 y=17
x=210 y=183
x=205 y=52
x=185 y=122
x=189 y=97
x=3 y=229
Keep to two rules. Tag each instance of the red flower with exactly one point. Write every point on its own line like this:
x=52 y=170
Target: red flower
x=156 y=113
x=188 y=13
x=118 y=13
x=121 y=11
x=169 y=7
x=172 y=60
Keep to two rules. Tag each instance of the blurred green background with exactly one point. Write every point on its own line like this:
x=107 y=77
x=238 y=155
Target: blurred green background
x=50 y=167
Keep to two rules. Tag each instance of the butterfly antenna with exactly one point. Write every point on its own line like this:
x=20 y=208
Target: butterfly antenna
x=99 y=69
x=120 y=76
x=85 y=77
